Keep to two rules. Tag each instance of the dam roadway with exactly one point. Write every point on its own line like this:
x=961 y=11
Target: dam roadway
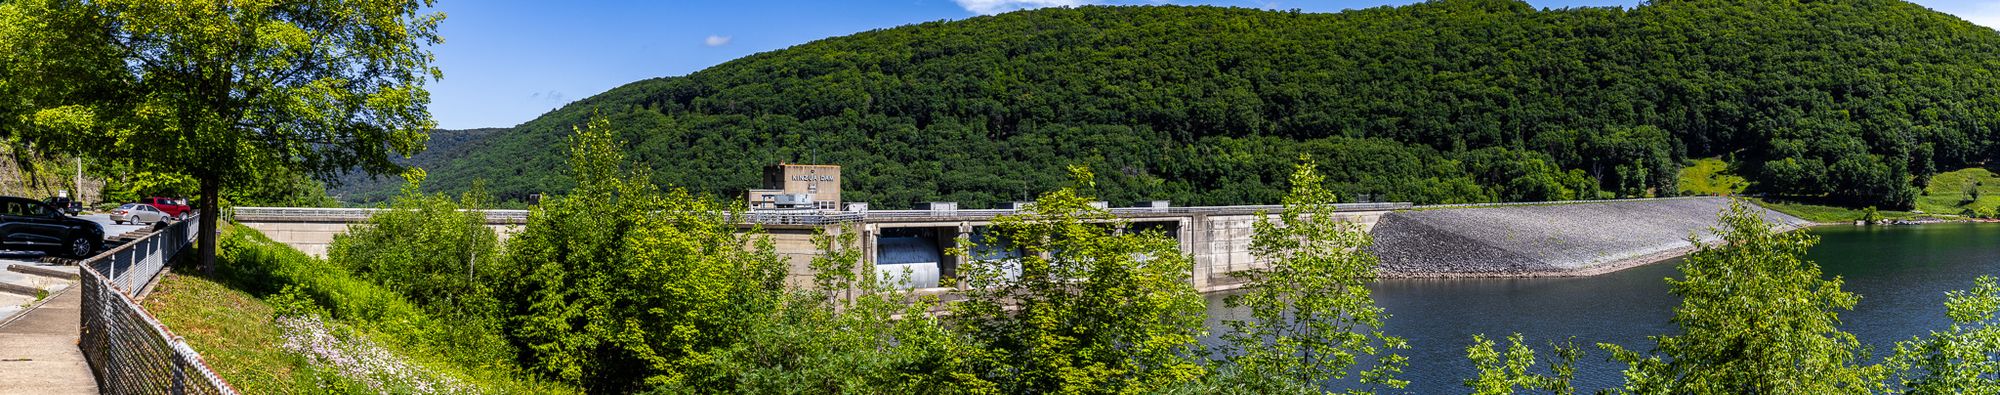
x=1484 y=240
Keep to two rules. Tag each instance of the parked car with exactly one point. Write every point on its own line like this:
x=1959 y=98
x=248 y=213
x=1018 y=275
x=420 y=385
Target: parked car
x=138 y=213
x=26 y=224
x=65 y=205
x=173 y=207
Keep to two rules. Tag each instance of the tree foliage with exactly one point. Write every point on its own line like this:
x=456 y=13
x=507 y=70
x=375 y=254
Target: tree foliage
x=432 y=248
x=1081 y=307
x=1312 y=317
x=1844 y=101
x=620 y=286
x=1755 y=317
x=852 y=332
x=1962 y=359
x=1506 y=373
x=228 y=93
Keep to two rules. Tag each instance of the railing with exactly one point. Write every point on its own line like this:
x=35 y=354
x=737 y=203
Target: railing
x=132 y=267
x=314 y=214
x=129 y=351
x=795 y=217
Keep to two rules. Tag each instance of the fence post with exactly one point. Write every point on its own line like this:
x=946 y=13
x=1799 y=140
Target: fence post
x=180 y=378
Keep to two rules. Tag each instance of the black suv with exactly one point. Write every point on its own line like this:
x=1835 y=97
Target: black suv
x=26 y=224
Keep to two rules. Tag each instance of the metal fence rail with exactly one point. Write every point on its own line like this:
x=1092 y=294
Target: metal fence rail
x=129 y=351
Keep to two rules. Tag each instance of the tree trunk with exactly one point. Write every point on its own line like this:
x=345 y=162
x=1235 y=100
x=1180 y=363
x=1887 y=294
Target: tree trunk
x=210 y=201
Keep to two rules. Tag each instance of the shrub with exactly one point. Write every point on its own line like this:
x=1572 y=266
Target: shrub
x=619 y=286
x=1082 y=309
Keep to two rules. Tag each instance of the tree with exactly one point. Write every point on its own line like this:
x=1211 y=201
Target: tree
x=620 y=286
x=852 y=332
x=1755 y=318
x=436 y=251
x=225 y=92
x=1501 y=374
x=1067 y=304
x=1311 y=315
x=1964 y=359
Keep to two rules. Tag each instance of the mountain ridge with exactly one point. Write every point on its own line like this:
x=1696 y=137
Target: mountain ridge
x=1437 y=102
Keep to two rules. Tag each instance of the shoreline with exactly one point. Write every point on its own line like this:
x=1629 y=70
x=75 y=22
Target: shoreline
x=1606 y=268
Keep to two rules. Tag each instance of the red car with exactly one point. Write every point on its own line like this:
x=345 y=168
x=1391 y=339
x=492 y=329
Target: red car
x=173 y=207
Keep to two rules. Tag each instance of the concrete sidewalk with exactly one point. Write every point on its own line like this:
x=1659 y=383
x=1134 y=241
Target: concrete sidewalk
x=38 y=352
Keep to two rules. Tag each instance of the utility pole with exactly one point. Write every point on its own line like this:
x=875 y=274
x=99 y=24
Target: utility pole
x=78 y=198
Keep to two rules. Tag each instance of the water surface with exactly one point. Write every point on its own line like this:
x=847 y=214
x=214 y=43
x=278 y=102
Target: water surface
x=1901 y=273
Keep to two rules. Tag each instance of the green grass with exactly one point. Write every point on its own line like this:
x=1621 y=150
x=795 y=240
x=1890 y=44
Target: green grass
x=1948 y=194
x=233 y=331
x=231 y=320
x=1710 y=177
x=1826 y=214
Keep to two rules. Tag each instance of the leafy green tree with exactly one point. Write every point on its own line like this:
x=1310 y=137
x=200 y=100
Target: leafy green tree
x=621 y=286
x=1506 y=373
x=228 y=93
x=1081 y=308
x=434 y=250
x=1311 y=315
x=1755 y=317
x=853 y=332
x=1964 y=359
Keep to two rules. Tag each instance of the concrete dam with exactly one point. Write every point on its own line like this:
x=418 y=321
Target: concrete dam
x=1502 y=240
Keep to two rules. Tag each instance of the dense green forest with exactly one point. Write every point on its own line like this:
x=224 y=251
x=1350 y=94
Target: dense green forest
x=1852 y=102
x=444 y=146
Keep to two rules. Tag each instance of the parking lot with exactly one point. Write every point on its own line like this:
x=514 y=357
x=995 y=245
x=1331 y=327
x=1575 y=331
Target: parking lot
x=111 y=230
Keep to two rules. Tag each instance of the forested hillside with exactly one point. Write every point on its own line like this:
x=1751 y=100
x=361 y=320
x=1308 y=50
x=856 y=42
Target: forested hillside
x=1849 y=101
x=443 y=147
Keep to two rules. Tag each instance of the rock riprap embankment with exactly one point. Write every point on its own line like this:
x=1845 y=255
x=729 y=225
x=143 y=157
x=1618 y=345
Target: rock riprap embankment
x=1577 y=239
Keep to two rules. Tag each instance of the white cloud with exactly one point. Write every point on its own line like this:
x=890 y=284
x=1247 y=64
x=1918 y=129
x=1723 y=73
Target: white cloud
x=716 y=41
x=552 y=95
x=990 y=7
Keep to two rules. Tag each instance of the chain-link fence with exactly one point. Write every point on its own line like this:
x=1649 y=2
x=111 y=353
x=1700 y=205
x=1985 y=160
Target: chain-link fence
x=129 y=351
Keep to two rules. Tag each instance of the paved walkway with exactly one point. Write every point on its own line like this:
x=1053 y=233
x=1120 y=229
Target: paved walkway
x=38 y=353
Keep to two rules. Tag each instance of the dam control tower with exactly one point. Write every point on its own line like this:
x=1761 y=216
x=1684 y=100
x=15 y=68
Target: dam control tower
x=790 y=186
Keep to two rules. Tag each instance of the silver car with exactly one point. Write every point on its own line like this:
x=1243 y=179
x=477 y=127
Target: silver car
x=137 y=213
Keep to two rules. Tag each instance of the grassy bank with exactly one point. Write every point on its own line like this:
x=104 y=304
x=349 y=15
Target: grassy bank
x=1958 y=192
x=265 y=294
x=1710 y=177
x=1827 y=214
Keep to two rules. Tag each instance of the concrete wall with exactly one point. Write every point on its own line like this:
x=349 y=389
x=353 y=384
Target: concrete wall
x=314 y=237
x=1220 y=244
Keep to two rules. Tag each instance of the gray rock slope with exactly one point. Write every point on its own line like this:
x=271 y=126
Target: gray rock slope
x=1545 y=240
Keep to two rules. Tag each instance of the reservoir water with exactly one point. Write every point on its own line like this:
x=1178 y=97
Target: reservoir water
x=1900 y=272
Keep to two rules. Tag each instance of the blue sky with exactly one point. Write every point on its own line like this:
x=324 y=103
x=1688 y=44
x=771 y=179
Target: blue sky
x=509 y=61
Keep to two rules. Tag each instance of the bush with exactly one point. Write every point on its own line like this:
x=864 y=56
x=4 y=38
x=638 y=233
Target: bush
x=1082 y=309
x=619 y=286
x=429 y=250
